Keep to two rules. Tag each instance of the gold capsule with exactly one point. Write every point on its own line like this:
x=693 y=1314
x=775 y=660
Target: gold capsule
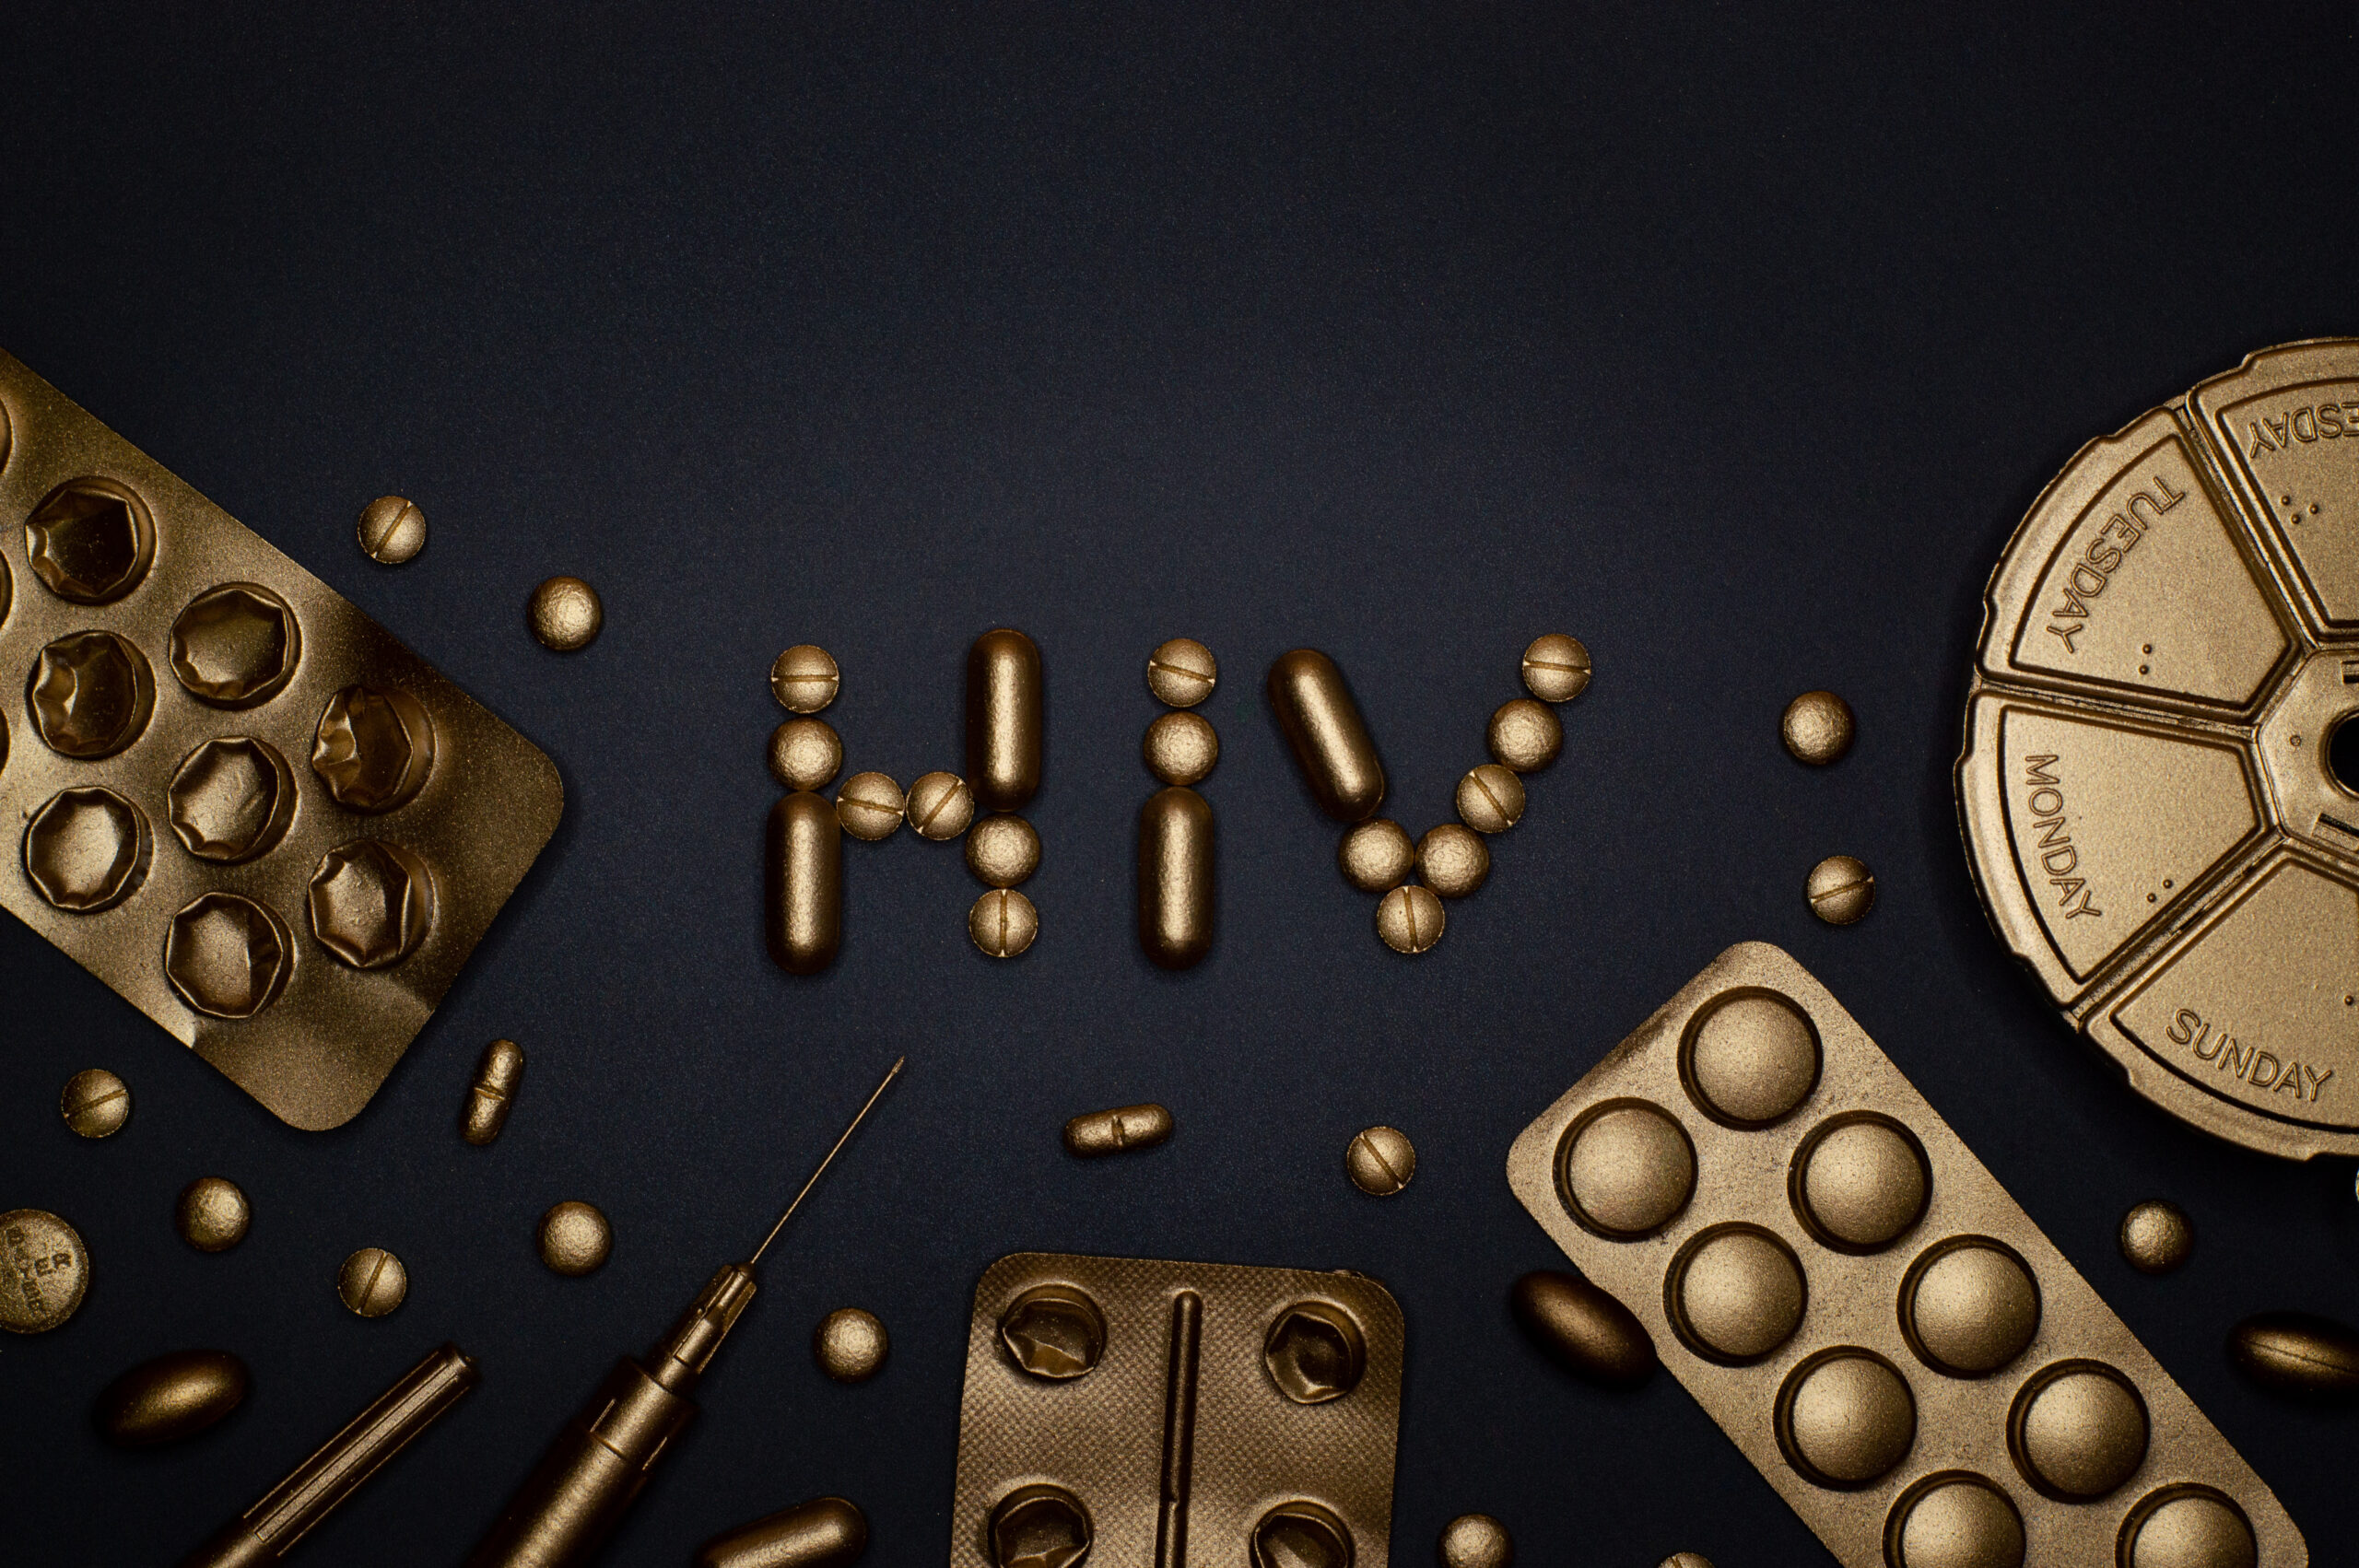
x=1582 y=1329
x=1524 y=735
x=96 y=1103
x=1111 y=1132
x=849 y=1345
x=1817 y=728
x=869 y=806
x=1490 y=799
x=391 y=531
x=2156 y=1237
x=804 y=679
x=212 y=1214
x=1475 y=1540
x=565 y=615
x=372 y=1281
x=1177 y=855
x=1330 y=740
x=2297 y=1352
x=1452 y=861
x=827 y=1532
x=44 y=1272
x=1380 y=1161
x=170 y=1397
x=1841 y=890
x=499 y=1073
x=1555 y=668
x=1003 y=851
x=1410 y=919
x=803 y=865
x=806 y=753
x=1003 y=923
x=1182 y=672
x=939 y=806
x=1006 y=716
x=1180 y=748
x=1377 y=856
x=575 y=1238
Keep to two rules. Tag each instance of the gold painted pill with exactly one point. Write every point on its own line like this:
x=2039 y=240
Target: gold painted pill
x=372 y=1281
x=1376 y=856
x=1582 y=1329
x=2077 y=1431
x=1003 y=851
x=1180 y=748
x=1860 y=1182
x=2187 y=1526
x=1969 y=1305
x=170 y=1397
x=212 y=1214
x=939 y=806
x=565 y=615
x=804 y=678
x=2156 y=1237
x=1176 y=857
x=827 y=1532
x=1330 y=740
x=804 y=866
x=1490 y=799
x=1453 y=861
x=1002 y=922
x=1475 y=1540
x=44 y=1272
x=500 y=1072
x=869 y=806
x=806 y=753
x=1555 y=668
x=1625 y=1168
x=849 y=1345
x=1749 y=1058
x=1954 y=1519
x=1817 y=728
x=1111 y=1132
x=1686 y=1559
x=1410 y=919
x=96 y=1103
x=1735 y=1293
x=1841 y=890
x=2296 y=1353
x=1525 y=735
x=1380 y=1161
x=392 y=529
x=1845 y=1417
x=575 y=1238
x=1006 y=716
x=1182 y=672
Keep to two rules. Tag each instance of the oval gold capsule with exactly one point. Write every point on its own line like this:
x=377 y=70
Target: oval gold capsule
x=827 y=1532
x=1582 y=1329
x=170 y=1397
x=498 y=1072
x=2296 y=1353
x=1329 y=739
x=1175 y=889
x=1111 y=1132
x=805 y=868
x=1007 y=718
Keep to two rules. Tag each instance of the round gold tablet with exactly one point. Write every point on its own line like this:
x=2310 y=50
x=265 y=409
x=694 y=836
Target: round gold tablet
x=96 y=1103
x=372 y=1281
x=1556 y=668
x=1846 y=1418
x=806 y=753
x=1380 y=1161
x=565 y=615
x=1182 y=672
x=1841 y=890
x=1453 y=861
x=939 y=806
x=1750 y=1056
x=212 y=1214
x=1860 y=1182
x=1377 y=856
x=850 y=1344
x=1410 y=919
x=1954 y=1519
x=1180 y=748
x=48 y=1271
x=1968 y=1306
x=1002 y=922
x=575 y=1238
x=392 y=529
x=1626 y=1169
x=1003 y=851
x=2187 y=1527
x=2156 y=1237
x=2077 y=1431
x=1475 y=1540
x=1817 y=728
x=804 y=678
x=1735 y=1293
x=1524 y=735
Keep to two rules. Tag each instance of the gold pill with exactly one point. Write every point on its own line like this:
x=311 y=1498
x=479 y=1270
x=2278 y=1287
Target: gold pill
x=1841 y=890
x=1555 y=668
x=1525 y=736
x=47 y=1271
x=803 y=865
x=1452 y=861
x=1749 y=1058
x=1624 y=1169
x=1003 y=923
x=1040 y=1527
x=806 y=753
x=1177 y=907
x=1846 y=1417
x=849 y=1345
x=827 y=1532
x=170 y=1397
x=1475 y=1540
x=96 y=1103
x=1380 y=1161
x=1006 y=715
x=1490 y=799
x=1954 y=1519
x=1111 y=1132
x=1968 y=1306
x=575 y=1238
x=565 y=615
x=372 y=1281
x=1330 y=740
x=1410 y=919
x=1817 y=728
x=1582 y=1329
x=869 y=806
x=392 y=529
x=939 y=806
x=1182 y=672
x=2297 y=1352
x=2078 y=1430
x=1861 y=1182
x=804 y=679
x=212 y=1214
x=500 y=1072
x=1686 y=1559
x=2156 y=1237
x=1735 y=1293
x=1180 y=748
x=1377 y=856
x=1003 y=851
x=2188 y=1525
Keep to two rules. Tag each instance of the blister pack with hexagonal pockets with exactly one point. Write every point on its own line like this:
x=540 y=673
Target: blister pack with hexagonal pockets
x=243 y=804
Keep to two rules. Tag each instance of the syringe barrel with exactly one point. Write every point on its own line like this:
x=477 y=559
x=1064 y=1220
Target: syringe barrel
x=590 y=1475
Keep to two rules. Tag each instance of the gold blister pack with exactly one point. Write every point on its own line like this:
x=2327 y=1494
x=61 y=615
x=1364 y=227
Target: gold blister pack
x=2146 y=792
x=195 y=708
x=1160 y=1413
x=1862 y=1308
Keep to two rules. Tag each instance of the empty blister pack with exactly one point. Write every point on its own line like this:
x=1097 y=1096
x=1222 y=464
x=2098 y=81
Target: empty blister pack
x=1135 y=1411
x=243 y=804
x=1862 y=1308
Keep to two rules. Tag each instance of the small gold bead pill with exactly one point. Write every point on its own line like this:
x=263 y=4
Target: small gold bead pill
x=1380 y=1161
x=2156 y=1237
x=565 y=615
x=939 y=806
x=1555 y=668
x=1003 y=851
x=804 y=679
x=1475 y=1540
x=1182 y=672
x=1490 y=799
x=849 y=1345
x=1377 y=856
x=1525 y=735
x=51 y=1270
x=1841 y=890
x=212 y=1214
x=391 y=531
x=1002 y=922
x=1180 y=748
x=1410 y=919
x=498 y=1072
x=1817 y=728
x=1452 y=861
x=869 y=806
x=96 y=1103
x=1111 y=1132
x=372 y=1281
x=806 y=753
x=575 y=1238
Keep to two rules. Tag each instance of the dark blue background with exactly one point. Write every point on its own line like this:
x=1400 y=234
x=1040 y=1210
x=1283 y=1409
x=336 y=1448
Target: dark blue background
x=1734 y=347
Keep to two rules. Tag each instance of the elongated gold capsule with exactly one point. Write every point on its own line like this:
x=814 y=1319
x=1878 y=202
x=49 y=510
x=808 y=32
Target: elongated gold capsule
x=805 y=870
x=1006 y=717
x=825 y=1533
x=1330 y=742
x=489 y=1097
x=170 y=1397
x=1111 y=1132
x=1176 y=905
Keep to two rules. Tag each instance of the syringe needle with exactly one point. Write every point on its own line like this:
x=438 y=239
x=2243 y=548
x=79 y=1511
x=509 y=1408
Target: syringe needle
x=891 y=1074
